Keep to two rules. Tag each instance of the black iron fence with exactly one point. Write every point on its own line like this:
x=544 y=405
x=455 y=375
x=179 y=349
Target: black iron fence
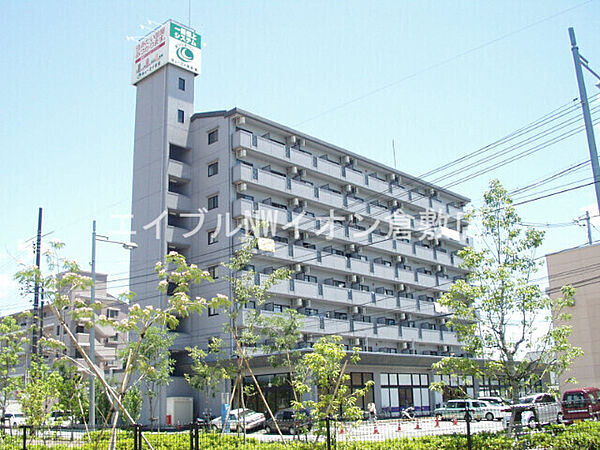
x=514 y=426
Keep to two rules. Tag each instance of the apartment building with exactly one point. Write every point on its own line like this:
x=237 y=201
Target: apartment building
x=371 y=248
x=108 y=340
x=578 y=267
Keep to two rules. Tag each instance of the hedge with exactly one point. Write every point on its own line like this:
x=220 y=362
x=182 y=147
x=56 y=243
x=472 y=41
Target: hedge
x=585 y=435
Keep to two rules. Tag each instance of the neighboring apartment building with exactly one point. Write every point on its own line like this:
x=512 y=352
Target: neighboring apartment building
x=108 y=340
x=578 y=267
x=371 y=273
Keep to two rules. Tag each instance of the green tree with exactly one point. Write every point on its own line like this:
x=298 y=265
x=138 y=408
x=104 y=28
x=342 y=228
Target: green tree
x=72 y=398
x=12 y=341
x=40 y=393
x=325 y=368
x=499 y=315
x=133 y=402
x=154 y=364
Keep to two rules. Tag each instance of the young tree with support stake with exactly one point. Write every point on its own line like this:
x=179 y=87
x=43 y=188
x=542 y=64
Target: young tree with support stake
x=499 y=314
x=67 y=279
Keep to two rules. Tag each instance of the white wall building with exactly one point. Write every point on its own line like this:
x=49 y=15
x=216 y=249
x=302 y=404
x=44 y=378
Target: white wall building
x=376 y=289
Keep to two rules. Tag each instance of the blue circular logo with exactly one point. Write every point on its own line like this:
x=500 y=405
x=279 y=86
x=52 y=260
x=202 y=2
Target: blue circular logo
x=185 y=54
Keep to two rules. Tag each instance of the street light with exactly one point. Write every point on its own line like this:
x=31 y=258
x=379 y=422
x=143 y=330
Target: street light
x=126 y=246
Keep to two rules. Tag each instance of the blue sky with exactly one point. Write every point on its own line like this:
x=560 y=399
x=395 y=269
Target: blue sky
x=441 y=79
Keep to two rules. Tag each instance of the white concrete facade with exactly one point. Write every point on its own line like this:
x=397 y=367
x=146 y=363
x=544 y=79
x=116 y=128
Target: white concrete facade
x=378 y=292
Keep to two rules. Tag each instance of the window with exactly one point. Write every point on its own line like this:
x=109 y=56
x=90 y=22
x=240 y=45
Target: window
x=112 y=313
x=212 y=237
x=181 y=84
x=213 y=136
x=180 y=115
x=213 y=168
x=213 y=271
x=79 y=329
x=213 y=202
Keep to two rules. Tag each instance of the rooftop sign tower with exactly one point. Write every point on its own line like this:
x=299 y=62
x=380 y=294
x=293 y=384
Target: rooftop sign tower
x=170 y=43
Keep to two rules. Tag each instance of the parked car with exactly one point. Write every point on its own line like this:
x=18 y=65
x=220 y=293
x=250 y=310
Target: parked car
x=244 y=418
x=459 y=408
x=61 y=419
x=495 y=401
x=581 y=404
x=534 y=410
x=492 y=411
x=13 y=419
x=289 y=421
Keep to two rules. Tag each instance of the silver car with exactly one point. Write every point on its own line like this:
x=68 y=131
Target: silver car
x=534 y=410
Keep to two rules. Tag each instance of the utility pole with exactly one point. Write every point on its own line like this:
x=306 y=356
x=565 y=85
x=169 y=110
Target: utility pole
x=92 y=407
x=36 y=289
x=587 y=118
x=589 y=227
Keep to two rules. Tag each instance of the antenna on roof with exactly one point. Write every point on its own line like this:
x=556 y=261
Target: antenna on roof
x=394 y=151
x=189 y=13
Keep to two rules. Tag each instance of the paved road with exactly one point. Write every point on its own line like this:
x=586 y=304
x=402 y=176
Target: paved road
x=395 y=428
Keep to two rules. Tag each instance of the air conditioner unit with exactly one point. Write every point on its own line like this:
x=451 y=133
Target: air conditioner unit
x=434 y=241
x=400 y=287
x=297 y=303
x=239 y=121
x=352 y=278
x=302 y=172
x=306 y=303
x=304 y=235
x=432 y=192
x=350 y=217
x=303 y=203
x=240 y=153
x=445 y=348
x=394 y=204
x=302 y=142
x=293 y=234
x=291 y=140
x=345 y=159
x=351 y=247
x=439 y=268
x=305 y=269
x=402 y=316
x=296 y=267
x=348 y=188
x=405 y=345
x=292 y=170
x=241 y=187
x=355 y=342
x=399 y=258
x=355 y=309
x=294 y=202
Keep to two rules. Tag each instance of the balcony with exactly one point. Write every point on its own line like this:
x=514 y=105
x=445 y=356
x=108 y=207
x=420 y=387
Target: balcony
x=423 y=253
x=426 y=280
x=385 y=302
x=300 y=158
x=409 y=334
x=388 y=332
x=381 y=271
x=178 y=202
x=301 y=189
x=331 y=198
x=378 y=185
x=431 y=336
x=174 y=235
x=179 y=170
x=326 y=167
x=420 y=200
x=355 y=177
x=443 y=258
